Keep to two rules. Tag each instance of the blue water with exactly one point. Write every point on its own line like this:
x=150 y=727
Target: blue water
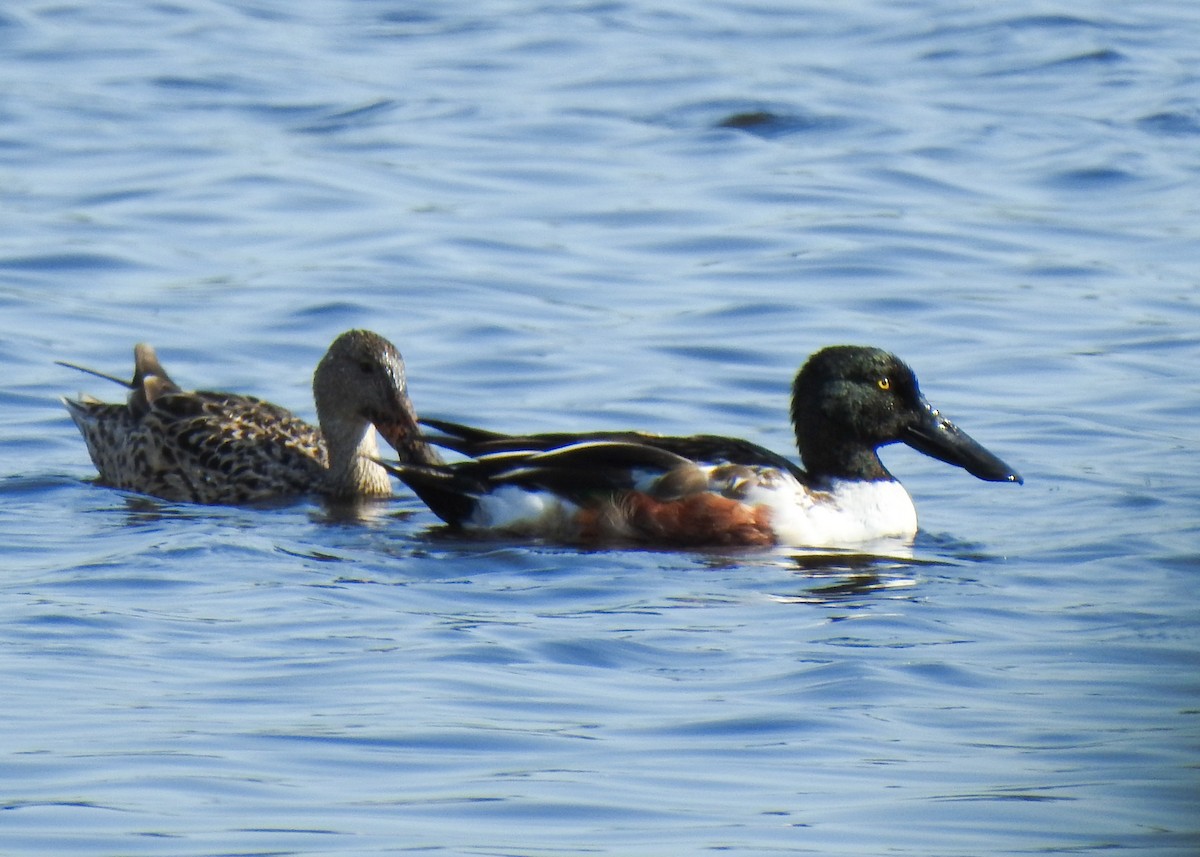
x=622 y=215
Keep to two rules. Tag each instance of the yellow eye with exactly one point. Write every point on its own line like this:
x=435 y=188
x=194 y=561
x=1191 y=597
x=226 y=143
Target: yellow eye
x=884 y=383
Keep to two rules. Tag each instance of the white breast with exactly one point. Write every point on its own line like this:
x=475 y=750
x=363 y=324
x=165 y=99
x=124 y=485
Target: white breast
x=849 y=513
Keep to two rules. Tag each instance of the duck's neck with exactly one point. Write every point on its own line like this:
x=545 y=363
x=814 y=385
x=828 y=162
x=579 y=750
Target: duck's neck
x=828 y=456
x=860 y=464
x=352 y=449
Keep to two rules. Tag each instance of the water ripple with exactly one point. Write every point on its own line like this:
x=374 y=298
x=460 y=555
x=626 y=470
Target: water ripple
x=607 y=215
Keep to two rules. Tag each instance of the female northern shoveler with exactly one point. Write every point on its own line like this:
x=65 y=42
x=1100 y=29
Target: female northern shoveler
x=847 y=401
x=207 y=447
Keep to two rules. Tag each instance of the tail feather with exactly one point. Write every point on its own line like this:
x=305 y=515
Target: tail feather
x=150 y=380
x=95 y=373
x=81 y=409
x=449 y=494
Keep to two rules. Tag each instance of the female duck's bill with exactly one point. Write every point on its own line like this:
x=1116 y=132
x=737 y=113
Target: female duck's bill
x=847 y=401
x=213 y=447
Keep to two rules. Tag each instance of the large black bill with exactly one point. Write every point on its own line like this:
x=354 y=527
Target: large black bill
x=939 y=438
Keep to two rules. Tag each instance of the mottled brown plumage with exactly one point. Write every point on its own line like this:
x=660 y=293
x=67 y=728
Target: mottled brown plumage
x=212 y=447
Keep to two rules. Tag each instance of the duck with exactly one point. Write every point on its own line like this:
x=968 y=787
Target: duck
x=216 y=448
x=705 y=490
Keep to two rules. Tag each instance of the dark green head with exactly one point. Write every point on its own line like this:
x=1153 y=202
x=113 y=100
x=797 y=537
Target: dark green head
x=849 y=400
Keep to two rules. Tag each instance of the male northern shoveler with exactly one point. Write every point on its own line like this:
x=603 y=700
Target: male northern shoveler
x=208 y=447
x=847 y=401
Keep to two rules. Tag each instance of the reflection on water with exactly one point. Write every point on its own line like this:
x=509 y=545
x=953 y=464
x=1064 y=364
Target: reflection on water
x=844 y=579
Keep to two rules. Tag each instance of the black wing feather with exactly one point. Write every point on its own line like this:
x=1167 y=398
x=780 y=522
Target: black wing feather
x=713 y=449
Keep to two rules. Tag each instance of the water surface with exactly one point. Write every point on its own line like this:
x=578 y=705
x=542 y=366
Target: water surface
x=607 y=215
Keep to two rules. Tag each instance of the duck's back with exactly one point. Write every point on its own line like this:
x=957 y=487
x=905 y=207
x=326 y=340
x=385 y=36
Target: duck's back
x=201 y=447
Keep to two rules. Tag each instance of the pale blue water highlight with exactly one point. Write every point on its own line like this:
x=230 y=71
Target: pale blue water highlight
x=546 y=209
